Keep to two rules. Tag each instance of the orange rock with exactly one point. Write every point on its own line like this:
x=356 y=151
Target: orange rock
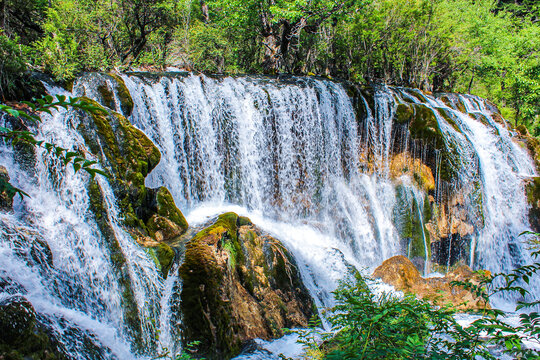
x=400 y=272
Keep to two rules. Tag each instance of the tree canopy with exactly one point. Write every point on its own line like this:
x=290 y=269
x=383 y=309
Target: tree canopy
x=485 y=47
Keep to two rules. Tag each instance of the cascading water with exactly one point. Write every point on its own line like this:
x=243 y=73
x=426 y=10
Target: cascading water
x=54 y=254
x=293 y=154
x=290 y=151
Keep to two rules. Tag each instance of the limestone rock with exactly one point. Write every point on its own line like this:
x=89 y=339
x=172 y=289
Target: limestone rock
x=22 y=336
x=239 y=284
x=405 y=164
x=400 y=272
x=6 y=191
x=129 y=155
x=533 y=198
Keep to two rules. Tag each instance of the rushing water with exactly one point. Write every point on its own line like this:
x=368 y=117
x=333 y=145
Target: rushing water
x=293 y=155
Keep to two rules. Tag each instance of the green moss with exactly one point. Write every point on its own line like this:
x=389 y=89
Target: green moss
x=533 y=198
x=165 y=256
x=424 y=126
x=167 y=208
x=404 y=113
x=22 y=336
x=129 y=305
x=106 y=95
x=126 y=101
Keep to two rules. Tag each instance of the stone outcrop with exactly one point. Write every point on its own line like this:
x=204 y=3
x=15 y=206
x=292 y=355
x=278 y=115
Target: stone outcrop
x=22 y=336
x=400 y=272
x=239 y=284
x=405 y=164
x=533 y=198
x=112 y=91
x=7 y=191
x=128 y=155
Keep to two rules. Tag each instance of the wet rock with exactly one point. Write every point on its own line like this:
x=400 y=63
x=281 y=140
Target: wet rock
x=400 y=272
x=404 y=113
x=239 y=284
x=149 y=215
x=404 y=164
x=128 y=156
x=112 y=91
x=533 y=198
x=7 y=191
x=22 y=336
x=532 y=144
x=165 y=256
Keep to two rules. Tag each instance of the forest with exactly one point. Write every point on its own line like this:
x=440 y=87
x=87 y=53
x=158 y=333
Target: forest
x=484 y=47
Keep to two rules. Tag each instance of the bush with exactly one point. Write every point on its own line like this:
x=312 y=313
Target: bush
x=386 y=326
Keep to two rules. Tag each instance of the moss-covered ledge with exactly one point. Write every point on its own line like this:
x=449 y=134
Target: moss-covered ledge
x=239 y=284
x=128 y=156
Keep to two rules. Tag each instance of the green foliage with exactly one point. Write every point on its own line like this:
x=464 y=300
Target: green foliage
x=488 y=48
x=370 y=326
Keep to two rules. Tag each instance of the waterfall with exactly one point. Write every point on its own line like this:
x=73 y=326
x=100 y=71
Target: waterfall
x=307 y=161
x=290 y=151
x=53 y=253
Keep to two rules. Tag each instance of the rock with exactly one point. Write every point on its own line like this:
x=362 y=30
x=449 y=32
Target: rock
x=532 y=189
x=112 y=91
x=400 y=272
x=532 y=144
x=149 y=215
x=165 y=256
x=22 y=336
x=404 y=113
x=405 y=164
x=239 y=284
x=424 y=126
x=7 y=191
x=129 y=155
x=126 y=102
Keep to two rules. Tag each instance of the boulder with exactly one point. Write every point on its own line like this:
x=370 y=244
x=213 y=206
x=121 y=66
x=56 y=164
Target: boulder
x=239 y=284
x=129 y=155
x=7 y=191
x=400 y=272
x=533 y=198
x=405 y=164
x=22 y=335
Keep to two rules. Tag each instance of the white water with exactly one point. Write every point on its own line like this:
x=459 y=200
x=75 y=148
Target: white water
x=291 y=155
x=77 y=294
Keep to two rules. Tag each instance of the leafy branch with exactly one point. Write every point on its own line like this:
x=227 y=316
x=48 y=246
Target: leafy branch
x=47 y=104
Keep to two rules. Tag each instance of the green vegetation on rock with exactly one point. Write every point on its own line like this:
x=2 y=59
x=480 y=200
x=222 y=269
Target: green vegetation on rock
x=239 y=284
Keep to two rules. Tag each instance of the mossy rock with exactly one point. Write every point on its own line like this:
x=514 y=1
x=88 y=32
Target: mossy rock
x=7 y=191
x=129 y=152
x=533 y=198
x=126 y=101
x=129 y=305
x=167 y=208
x=532 y=143
x=424 y=126
x=404 y=113
x=112 y=92
x=22 y=336
x=238 y=285
x=165 y=256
